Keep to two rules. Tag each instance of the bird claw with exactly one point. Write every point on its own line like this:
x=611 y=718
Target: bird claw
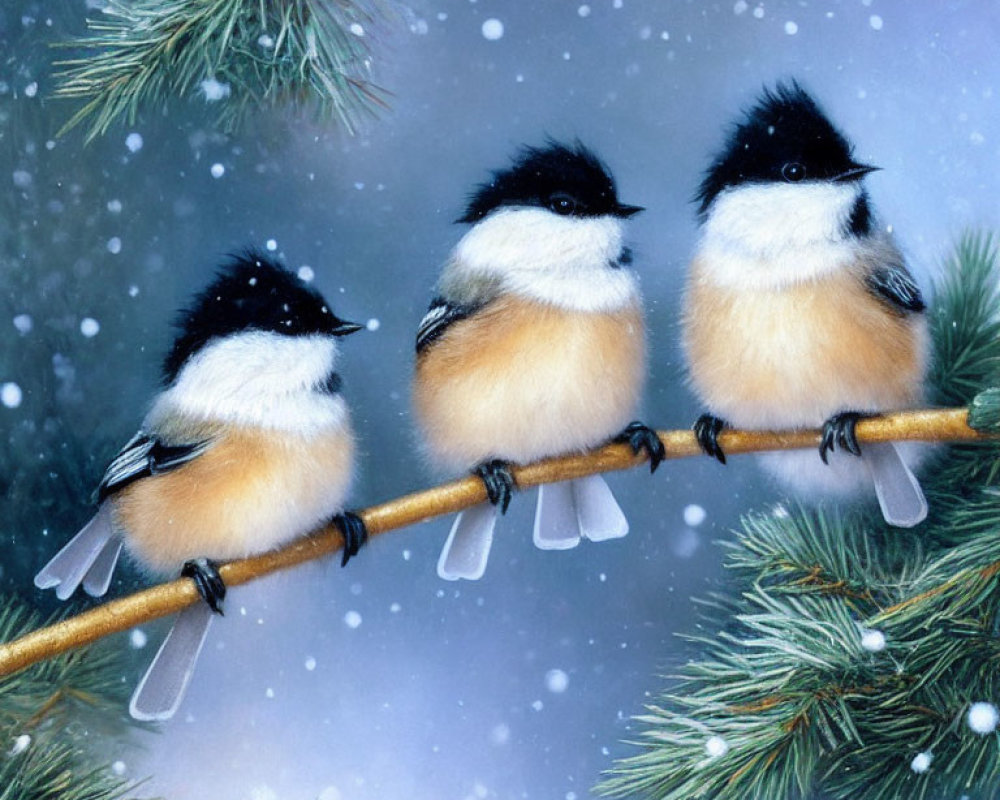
x=499 y=482
x=839 y=432
x=354 y=531
x=706 y=431
x=640 y=438
x=207 y=580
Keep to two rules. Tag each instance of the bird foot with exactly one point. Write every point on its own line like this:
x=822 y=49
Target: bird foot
x=355 y=534
x=706 y=430
x=642 y=438
x=499 y=482
x=838 y=431
x=207 y=580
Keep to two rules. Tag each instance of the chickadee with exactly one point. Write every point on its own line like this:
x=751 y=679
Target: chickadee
x=534 y=346
x=799 y=309
x=248 y=446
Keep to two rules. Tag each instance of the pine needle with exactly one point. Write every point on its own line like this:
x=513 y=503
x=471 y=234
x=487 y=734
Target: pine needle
x=241 y=55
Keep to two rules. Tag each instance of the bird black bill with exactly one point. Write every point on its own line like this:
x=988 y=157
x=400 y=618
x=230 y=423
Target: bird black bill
x=625 y=211
x=856 y=172
x=343 y=328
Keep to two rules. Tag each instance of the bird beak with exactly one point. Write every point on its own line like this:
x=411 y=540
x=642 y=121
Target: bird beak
x=625 y=211
x=856 y=172
x=343 y=328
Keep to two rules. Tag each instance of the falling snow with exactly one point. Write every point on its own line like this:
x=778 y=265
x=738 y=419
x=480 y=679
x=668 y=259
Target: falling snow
x=716 y=746
x=921 y=762
x=306 y=273
x=23 y=323
x=873 y=641
x=982 y=718
x=114 y=245
x=352 y=619
x=21 y=743
x=492 y=29
x=138 y=639
x=89 y=327
x=217 y=170
x=10 y=395
x=556 y=681
x=694 y=515
x=213 y=90
x=134 y=142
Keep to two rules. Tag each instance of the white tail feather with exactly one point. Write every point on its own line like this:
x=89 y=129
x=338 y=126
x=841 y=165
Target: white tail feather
x=897 y=488
x=468 y=546
x=599 y=513
x=162 y=688
x=557 y=526
x=98 y=577
x=71 y=564
x=569 y=510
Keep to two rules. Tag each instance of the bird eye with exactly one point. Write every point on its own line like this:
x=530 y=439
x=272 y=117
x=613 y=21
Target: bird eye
x=793 y=172
x=564 y=204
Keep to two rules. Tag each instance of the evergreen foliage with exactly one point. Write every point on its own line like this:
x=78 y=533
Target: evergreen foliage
x=57 y=715
x=254 y=54
x=849 y=661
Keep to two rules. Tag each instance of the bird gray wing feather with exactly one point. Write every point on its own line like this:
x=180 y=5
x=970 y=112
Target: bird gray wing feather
x=145 y=455
x=893 y=284
x=441 y=314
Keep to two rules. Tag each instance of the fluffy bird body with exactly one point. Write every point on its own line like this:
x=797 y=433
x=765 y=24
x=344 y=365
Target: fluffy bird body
x=798 y=311
x=535 y=345
x=279 y=462
x=248 y=446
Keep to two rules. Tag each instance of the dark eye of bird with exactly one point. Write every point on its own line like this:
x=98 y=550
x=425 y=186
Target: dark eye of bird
x=793 y=172
x=564 y=204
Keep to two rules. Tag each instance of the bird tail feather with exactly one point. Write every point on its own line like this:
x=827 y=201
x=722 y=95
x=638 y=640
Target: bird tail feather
x=468 y=546
x=162 y=688
x=88 y=558
x=581 y=508
x=897 y=488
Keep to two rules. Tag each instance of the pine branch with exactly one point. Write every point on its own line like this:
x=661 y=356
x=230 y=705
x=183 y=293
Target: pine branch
x=241 y=54
x=169 y=598
x=43 y=757
x=847 y=666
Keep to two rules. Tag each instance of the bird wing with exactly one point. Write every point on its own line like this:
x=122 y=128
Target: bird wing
x=892 y=284
x=440 y=315
x=145 y=455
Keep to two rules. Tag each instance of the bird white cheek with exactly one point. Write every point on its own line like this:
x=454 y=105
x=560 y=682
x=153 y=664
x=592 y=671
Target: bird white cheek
x=773 y=235
x=567 y=261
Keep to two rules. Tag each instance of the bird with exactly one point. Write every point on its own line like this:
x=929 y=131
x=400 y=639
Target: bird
x=799 y=310
x=247 y=446
x=534 y=346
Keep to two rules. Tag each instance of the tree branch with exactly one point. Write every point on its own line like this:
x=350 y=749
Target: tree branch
x=939 y=425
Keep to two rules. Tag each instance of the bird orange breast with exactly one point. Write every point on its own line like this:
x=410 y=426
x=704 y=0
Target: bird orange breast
x=794 y=356
x=521 y=380
x=251 y=491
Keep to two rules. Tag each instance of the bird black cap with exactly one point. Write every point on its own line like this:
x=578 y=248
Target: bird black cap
x=251 y=292
x=568 y=180
x=784 y=137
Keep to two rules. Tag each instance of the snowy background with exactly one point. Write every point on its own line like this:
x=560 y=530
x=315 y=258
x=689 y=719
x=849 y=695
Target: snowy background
x=381 y=681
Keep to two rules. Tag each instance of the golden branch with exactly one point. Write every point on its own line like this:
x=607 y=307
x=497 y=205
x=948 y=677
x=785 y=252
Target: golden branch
x=940 y=425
